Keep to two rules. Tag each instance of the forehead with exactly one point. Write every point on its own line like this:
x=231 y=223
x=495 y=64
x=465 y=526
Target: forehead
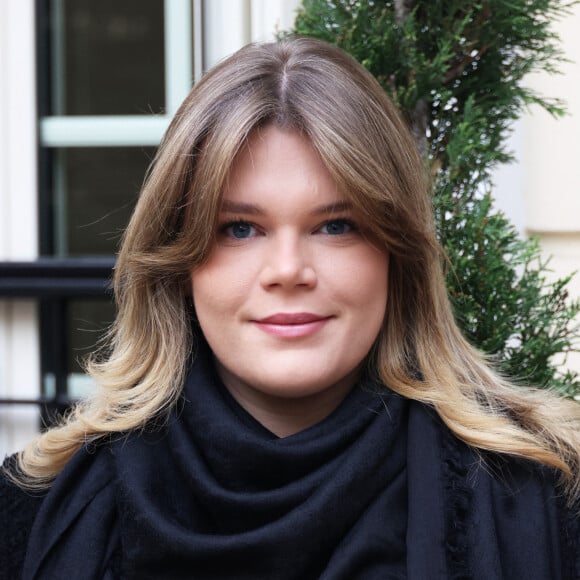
x=279 y=163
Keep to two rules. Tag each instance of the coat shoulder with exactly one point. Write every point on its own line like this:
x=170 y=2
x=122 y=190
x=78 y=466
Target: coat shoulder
x=18 y=509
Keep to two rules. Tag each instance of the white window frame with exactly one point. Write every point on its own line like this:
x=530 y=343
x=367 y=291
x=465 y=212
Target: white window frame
x=182 y=27
x=19 y=351
x=230 y=24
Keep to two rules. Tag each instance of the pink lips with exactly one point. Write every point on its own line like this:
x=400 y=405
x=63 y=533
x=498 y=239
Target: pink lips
x=292 y=325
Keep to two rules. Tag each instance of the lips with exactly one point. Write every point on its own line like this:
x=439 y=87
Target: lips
x=291 y=318
x=292 y=324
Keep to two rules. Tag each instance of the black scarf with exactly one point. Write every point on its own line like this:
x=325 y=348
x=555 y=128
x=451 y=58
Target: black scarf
x=222 y=497
x=377 y=490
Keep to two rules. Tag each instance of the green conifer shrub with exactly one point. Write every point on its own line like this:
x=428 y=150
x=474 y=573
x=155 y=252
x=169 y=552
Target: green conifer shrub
x=455 y=69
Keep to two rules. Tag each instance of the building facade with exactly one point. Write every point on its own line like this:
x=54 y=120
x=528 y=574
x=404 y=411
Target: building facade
x=86 y=91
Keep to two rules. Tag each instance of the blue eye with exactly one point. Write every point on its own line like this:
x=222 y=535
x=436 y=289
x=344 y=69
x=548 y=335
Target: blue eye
x=337 y=227
x=239 y=230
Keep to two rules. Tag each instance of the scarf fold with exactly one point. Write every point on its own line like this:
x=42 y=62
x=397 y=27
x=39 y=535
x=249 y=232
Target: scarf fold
x=379 y=489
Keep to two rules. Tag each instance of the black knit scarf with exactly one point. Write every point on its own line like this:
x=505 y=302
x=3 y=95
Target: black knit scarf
x=377 y=490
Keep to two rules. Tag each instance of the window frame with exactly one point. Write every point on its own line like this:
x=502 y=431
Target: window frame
x=182 y=27
x=182 y=63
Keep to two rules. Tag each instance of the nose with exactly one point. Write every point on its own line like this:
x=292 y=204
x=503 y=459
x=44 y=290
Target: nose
x=287 y=264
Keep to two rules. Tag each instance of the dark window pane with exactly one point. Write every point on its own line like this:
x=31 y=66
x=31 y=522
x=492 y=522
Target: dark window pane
x=86 y=322
x=76 y=334
x=106 y=57
x=93 y=193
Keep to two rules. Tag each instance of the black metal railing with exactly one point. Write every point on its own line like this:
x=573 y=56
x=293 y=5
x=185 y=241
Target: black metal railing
x=56 y=278
x=53 y=281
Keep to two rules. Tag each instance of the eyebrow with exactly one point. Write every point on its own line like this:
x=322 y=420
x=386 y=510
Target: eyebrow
x=229 y=206
x=335 y=207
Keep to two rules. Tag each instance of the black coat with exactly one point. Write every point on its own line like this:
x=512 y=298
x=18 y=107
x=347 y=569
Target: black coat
x=466 y=518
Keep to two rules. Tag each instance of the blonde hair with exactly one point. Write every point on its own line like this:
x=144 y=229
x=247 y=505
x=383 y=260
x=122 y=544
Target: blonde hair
x=308 y=86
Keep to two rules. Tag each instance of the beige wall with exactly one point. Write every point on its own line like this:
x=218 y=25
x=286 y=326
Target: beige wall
x=551 y=157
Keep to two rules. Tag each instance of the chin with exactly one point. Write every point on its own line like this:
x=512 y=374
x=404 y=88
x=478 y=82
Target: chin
x=301 y=385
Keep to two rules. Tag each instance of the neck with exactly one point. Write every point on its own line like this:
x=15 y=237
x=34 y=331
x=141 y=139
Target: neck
x=287 y=415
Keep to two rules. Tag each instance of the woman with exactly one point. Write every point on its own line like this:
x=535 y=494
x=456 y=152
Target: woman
x=286 y=393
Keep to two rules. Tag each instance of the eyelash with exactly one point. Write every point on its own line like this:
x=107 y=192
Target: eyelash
x=225 y=227
x=352 y=227
x=350 y=224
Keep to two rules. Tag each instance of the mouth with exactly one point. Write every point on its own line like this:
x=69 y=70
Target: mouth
x=292 y=324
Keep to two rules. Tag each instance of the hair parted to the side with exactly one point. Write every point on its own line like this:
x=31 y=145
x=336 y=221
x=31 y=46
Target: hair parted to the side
x=308 y=86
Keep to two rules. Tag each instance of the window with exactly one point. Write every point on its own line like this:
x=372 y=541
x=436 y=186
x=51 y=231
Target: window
x=111 y=75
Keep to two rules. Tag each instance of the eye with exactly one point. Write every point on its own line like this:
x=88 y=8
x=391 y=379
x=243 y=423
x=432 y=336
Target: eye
x=337 y=227
x=239 y=230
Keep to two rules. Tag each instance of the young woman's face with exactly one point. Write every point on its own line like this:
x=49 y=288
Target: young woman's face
x=293 y=295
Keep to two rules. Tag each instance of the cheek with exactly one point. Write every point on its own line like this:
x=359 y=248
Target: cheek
x=210 y=303
x=362 y=280
x=218 y=289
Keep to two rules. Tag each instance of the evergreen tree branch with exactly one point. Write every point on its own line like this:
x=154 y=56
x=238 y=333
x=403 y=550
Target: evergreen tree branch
x=456 y=70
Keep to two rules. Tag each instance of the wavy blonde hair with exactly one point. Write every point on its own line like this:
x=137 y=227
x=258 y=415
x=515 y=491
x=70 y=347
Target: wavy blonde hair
x=308 y=86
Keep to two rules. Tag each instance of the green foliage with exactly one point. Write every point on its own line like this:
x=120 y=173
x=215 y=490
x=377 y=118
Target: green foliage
x=455 y=69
